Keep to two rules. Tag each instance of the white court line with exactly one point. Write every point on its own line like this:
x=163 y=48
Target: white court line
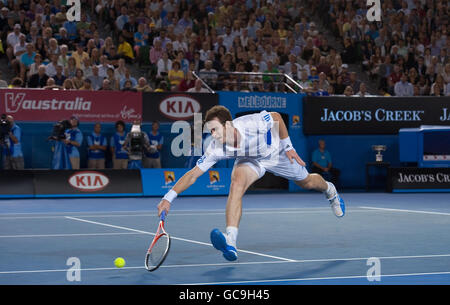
x=64 y=270
x=322 y=278
x=66 y=235
x=229 y=264
x=155 y=214
x=147 y=211
x=176 y=238
x=406 y=211
x=327 y=210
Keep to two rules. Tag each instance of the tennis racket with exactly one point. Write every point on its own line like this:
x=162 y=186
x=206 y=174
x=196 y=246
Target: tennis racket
x=159 y=248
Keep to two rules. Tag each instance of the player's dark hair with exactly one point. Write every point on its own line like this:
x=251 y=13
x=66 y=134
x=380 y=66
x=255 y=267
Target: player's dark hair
x=220 y=112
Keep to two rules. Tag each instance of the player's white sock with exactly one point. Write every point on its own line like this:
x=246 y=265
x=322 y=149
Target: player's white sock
x=331 y=190
x=232 y=233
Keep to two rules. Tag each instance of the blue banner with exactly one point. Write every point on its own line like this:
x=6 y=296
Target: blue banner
x=289 y=105
x=157 y=182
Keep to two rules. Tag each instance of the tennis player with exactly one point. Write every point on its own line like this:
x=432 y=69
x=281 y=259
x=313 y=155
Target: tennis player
x=259 y=142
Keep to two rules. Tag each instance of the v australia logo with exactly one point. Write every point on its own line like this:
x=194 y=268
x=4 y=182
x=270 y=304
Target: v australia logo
x=18 y=101
x=13 y=101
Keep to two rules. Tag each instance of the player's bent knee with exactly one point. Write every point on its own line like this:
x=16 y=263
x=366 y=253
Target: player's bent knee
x=238 y=184
x=306 y=183
x=237 y=189
x=241 y=179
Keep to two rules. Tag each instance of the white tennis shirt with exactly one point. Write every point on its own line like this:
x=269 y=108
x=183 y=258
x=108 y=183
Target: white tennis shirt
x=259 y=138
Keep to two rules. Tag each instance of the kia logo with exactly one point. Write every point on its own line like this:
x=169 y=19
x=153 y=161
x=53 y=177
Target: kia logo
x=88 y=181
x=179 y=107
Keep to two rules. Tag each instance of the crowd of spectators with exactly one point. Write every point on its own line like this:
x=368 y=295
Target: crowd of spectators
x=45 y=50
x=406 y=53
x=174 y=40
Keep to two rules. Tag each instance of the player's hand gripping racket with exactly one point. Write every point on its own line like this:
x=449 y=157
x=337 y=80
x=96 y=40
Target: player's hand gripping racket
x=159 y=248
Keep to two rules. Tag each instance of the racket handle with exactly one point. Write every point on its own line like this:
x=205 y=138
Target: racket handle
x=163 y=215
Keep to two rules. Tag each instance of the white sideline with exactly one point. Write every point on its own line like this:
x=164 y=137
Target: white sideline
x=237 y=263
x=321 y=278
x=176 y=238
x=405 y=211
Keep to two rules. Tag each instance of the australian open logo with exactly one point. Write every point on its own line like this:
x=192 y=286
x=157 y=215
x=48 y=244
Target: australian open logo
x=169 y=178
x=214 y=177
x=214 y=181
x=296 y=121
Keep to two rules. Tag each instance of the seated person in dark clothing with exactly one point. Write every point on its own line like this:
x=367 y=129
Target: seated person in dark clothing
x=128 y=86
x=349 y=53
x=113 y=57
x=39 y=79
x=129 y=29
x=339 y=86
x=321 y=164
x=59 y=77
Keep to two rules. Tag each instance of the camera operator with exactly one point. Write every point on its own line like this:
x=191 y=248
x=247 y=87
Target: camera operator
x=73 y=140
x=137 y=144
x=67 y=139
x=60 y=159
x=10 y=137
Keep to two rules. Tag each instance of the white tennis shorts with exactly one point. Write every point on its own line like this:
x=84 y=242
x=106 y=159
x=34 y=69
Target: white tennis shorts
x=278 y=165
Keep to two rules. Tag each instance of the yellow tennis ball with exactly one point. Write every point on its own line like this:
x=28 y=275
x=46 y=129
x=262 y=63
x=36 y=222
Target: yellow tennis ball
x=119 y=262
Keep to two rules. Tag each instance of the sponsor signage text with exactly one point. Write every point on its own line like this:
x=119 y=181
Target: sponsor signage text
x=416 y=178
x=373 y=115
x=88 y=181
x=169 y=107
x=98 y=182
x=179 y=107
x=38 y=105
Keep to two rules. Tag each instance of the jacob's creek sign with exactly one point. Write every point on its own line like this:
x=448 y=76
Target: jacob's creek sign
x=54 y=105
x=380 y=115
x=373 y=115
x=419 y=179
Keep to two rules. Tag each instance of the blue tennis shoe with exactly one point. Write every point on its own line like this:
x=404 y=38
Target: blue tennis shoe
x=337 y=205
x=219 y=242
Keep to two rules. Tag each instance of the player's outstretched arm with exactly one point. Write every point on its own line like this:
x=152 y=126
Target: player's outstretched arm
x=182 y=184
x=285 y=141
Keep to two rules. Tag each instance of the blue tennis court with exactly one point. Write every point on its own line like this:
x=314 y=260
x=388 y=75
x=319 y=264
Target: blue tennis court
x=283 y=239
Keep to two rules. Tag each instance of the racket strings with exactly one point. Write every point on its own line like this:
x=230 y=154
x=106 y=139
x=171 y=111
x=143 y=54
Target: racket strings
x=158 y=251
